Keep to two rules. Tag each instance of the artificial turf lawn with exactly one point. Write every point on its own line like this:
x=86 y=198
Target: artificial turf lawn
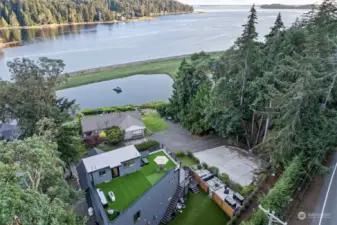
x=200 y=210
x=125 y=189
x=150 y=170
x=154 y=122
x=130 y=187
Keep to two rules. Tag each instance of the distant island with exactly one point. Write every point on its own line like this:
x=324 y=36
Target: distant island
x=280 y=6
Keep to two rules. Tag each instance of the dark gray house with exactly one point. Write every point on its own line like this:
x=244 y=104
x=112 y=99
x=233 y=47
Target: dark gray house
x=129 y=122
x=9 y=132
x=146 y=189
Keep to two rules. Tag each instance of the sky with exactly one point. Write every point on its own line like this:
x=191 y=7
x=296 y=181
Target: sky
x=246 y=2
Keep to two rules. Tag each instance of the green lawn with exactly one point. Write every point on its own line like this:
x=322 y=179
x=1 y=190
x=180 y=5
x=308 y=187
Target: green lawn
x=168 y=66
x=129 y=188
x=201 y=210
x=187 y=161
x=154 y=122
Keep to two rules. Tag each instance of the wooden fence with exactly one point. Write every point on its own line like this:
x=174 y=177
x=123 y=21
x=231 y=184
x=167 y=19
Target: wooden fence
x=202 y=184
x=226 y=208
x=223 y=205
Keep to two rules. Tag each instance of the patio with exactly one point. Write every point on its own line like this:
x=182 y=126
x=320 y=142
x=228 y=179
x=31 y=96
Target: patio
x=124 y=188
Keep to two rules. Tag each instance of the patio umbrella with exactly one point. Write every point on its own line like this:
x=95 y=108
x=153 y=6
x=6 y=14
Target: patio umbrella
x=161 y=160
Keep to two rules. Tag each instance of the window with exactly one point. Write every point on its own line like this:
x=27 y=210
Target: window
x=102 y=173
x=128 y=164
x=136 y=217
x=137 y=132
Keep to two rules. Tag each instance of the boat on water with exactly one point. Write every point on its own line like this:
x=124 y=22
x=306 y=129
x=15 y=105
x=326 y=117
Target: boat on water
x=117 y=89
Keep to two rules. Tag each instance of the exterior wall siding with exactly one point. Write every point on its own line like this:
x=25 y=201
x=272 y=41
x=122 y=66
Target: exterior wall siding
x=129 y=135
x=153 y=204
x=126 y=170
x=96 y=179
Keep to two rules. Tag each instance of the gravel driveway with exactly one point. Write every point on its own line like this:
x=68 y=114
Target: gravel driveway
x=176 y=138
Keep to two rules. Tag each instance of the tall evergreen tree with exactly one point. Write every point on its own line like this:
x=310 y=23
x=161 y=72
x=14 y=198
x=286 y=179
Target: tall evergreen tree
x=13 y=20
x=249 y=33
x=3 y=22
x=278 y=26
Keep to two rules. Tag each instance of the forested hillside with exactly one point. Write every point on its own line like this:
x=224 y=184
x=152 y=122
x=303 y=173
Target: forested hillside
x=41 y=12
x=277 y=97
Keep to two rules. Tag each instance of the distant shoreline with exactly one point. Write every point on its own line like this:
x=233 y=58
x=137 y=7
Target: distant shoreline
x=47 y=26
x=281 y=6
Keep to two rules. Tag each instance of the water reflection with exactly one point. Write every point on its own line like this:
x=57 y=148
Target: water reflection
x=29 y=35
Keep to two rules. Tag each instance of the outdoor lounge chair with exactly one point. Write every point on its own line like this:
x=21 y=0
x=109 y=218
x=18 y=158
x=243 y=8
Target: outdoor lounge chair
x=145 y=161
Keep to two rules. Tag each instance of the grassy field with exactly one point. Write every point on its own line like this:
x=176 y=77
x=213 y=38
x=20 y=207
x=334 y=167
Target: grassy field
x=201 y=210
x=154 y=122
x=168 y=66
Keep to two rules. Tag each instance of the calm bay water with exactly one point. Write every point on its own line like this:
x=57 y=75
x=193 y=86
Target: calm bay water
x=90 y=46
x=137 y=90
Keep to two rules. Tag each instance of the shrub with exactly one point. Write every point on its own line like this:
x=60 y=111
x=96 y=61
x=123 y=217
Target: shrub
x=148 y=145
x=199 y=167
x=235 y=187
x=190 y=154
x=205 y=165
x=162 y=109
x=111 y=109
x=152 y=105
x=93 y=140
x=179 y=154
x=225 y=178
x=246 y=190
x=114 y=135
x=212 y=169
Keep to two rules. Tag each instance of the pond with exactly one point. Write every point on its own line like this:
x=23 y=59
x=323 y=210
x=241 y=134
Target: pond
x=136 y=90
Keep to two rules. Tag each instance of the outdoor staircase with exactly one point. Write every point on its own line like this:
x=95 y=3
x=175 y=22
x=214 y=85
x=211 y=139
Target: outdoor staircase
x=195 y=190
x=172 y=205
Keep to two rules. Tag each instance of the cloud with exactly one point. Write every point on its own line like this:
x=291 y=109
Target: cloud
x=247 y=2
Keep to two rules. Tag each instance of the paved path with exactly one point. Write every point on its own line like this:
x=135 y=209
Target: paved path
x=326 y=209
x=176 y=138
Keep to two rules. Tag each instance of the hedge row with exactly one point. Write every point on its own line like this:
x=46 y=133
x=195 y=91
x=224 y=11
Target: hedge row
x=152 y=105
x=112 y=109
x=148 y=145
x=279 y=196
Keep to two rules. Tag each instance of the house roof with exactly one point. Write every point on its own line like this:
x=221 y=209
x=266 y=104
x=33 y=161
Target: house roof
x=105 y=121
x=133 y=128
x=110 y=159
x=93 y=152
x=130 y=121
x=9 y=131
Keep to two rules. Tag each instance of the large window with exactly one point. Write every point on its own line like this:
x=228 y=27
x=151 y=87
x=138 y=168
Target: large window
x=137 y=132
x=128 y=164
x=102 y=173
x=136 y=217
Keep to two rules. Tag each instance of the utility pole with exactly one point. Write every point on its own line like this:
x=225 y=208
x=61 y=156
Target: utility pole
x=271 y=216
